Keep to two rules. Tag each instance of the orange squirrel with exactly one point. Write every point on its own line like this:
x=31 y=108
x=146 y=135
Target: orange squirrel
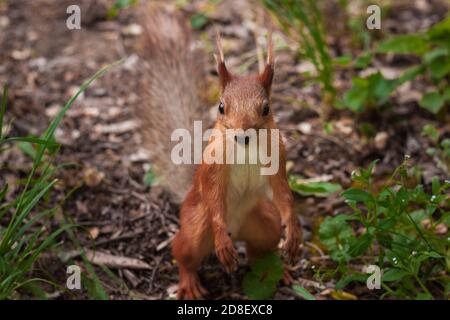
x=225 y=202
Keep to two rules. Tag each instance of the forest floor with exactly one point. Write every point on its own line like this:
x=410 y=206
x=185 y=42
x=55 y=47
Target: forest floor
x=44 y=63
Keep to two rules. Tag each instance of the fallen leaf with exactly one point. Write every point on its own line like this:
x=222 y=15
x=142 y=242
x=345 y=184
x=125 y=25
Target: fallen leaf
x=380 y=140
x=342 y=295
x=106 y=259
x=120 y=127
x=94 y=232
x=92 y=177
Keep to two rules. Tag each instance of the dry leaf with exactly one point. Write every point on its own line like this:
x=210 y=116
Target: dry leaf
x=381 y=139
x=93 y=177
x=94 y=232
x=118 y=262
x=343 y=295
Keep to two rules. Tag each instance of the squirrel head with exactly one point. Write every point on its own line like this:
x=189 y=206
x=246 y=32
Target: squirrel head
x=245 y=100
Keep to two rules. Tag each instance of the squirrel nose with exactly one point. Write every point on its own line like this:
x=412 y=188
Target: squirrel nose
x=242 y=139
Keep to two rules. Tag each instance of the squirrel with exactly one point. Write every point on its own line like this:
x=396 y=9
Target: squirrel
x=224 y=202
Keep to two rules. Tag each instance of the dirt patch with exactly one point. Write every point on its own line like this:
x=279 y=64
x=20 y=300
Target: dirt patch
x=44 y=63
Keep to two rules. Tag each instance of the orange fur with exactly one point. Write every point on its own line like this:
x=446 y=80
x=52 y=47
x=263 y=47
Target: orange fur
x=230 y=202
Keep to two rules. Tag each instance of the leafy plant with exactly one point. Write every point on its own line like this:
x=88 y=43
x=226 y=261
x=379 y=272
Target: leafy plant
x=305 y=294
x=199 y=20
x=119 y=5
x=374 y=90
x=440 y=151
x=150 y=178
x=304 y=18
x=401 y=229
x=432 y=47
x=261 y=281
x=27 y=217
x=319 y=188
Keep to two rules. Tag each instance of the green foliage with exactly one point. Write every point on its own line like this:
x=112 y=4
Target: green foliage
x=27 y=216
x=305 y=19
x=440 y=150
x=432 y=101
x=398 y=229
x=374 y=90
x=198 y=21
x=405 y=43
x=431 y=46
x=261 y=281
x=303 y=292
x=150 y=178
x=313 y=188
x=118 y=5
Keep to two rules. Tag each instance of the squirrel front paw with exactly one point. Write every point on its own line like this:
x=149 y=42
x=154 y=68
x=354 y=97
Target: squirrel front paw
x=226 y=253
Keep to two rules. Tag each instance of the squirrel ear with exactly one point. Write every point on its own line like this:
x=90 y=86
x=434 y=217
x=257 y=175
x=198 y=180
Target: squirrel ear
x=224 y=75
x=267 y=75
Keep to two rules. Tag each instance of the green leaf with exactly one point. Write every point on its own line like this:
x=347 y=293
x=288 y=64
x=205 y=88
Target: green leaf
x=430 y=131
x=432 y=55
x=381 y=88
x=150 y=178
x=363 y=60
x=355 y=98
x=261 y=281
x=313 y=188
x=333 y=227
x=357 y=195
x=424 y=296
x=336 y=235
x=303 y=292
x=121 y=4
x=435 y=185
x=432 y=101
x=446 y=94
x=27 y=149
x=438 y=62
x=343 y=60
x=410 y=74
x=387 y=224
x=440 y=32
x=407 y=43
x=198 y=21
x=394 y=274
x=346 y=279
x=360 y=245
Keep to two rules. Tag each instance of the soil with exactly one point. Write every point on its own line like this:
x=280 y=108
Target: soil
x=44 y=63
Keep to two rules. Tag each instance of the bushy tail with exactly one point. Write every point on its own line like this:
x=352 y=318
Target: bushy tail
x=172 y=77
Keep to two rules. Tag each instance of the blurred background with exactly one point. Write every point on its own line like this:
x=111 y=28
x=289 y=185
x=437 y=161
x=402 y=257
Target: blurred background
x=344 y=96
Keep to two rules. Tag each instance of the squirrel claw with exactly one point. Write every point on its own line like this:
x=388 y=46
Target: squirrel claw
x=228 y=256
x=191 y=290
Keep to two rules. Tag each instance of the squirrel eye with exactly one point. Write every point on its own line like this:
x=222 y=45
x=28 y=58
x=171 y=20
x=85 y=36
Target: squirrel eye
x=266 y=109
x=221 y=108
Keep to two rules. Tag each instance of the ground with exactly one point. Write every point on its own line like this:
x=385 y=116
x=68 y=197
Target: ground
x=44 y=63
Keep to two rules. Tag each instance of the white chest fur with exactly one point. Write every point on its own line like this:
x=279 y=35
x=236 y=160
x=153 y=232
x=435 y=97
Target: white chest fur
x=245 y=187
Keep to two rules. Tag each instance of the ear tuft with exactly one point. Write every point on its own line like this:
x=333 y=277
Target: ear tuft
x=268 y=73
x=224 y=76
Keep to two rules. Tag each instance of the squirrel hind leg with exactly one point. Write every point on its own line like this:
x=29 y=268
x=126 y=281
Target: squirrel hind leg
x=189 y=248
